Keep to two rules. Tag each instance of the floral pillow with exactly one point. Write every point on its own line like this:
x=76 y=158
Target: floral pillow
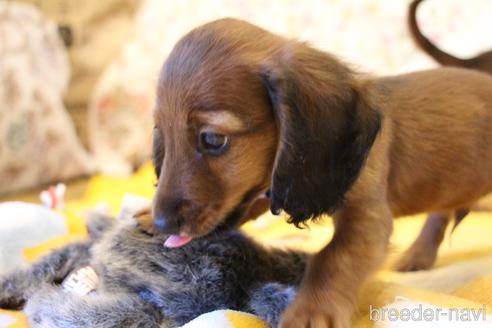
x=38 y=144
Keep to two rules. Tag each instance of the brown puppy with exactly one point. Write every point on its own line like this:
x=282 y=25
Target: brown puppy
x=240 y=110
x=422 y=253
x=482 y=62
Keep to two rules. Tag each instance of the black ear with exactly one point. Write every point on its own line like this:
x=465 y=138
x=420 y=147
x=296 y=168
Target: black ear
x=326 y=130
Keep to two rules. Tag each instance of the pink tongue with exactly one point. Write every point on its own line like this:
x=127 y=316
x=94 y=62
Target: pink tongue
x=177 y=241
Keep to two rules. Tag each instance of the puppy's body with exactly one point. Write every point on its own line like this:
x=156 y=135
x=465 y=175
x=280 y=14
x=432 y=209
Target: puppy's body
x=446 y=130
x=322 y=139
x=433 y=154
x=143 y=284
x=440 y=153
x=422 y=253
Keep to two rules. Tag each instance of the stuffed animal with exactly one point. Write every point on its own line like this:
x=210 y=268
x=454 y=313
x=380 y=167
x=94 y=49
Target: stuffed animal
x=29 y=229
x=124 y=277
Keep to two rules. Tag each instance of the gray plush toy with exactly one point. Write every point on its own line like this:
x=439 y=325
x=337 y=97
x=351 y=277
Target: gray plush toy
x=136 y=282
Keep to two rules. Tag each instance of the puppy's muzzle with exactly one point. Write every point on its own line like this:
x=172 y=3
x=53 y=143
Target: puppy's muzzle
x=168 y=224
x=167 y=218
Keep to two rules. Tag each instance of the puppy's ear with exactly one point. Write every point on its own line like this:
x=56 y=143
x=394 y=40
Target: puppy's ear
x=326 y=130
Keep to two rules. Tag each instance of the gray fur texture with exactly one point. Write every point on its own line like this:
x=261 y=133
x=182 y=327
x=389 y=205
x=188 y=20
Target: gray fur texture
x=143 y=284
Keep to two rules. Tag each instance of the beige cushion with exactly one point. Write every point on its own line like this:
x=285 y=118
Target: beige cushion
x=38 y=144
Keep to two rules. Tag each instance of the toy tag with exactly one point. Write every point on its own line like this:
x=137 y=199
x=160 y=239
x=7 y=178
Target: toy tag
x=81 y=281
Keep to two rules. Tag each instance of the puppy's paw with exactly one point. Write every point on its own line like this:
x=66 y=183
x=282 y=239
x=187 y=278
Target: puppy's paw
x=417 y=257
x=313 y=312
x=144 y=221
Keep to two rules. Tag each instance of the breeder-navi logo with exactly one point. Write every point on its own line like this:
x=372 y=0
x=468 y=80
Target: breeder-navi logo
x=405 y=310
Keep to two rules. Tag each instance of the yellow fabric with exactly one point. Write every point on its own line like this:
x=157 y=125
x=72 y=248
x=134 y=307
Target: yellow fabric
x=19 y=321
x=462 y=276
x=226 y=319
x=240 y=320
x=479 y=290
x=31 y=254
x=470 y=244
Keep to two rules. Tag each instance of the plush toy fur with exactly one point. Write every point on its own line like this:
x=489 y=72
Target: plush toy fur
x=143 y=284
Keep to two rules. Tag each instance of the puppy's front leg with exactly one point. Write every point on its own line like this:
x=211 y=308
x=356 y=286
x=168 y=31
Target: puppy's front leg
x=329 y=290
x=144 y=220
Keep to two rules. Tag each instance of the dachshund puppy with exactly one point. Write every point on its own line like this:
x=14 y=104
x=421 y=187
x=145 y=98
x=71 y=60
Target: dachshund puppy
x=240 y=111
x=140 y=283
x=481 y=62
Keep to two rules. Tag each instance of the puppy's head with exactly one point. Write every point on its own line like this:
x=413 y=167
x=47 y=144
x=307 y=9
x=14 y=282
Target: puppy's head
x=239 y=111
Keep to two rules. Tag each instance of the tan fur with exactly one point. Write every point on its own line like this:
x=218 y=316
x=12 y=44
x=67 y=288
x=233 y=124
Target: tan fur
x=423 y=251
x=223 y=121
x=433 y=152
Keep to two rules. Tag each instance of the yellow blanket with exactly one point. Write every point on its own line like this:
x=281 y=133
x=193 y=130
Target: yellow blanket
x=461 y=280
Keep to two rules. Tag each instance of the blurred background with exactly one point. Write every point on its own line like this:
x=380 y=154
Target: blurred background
x=77 y=78
x=77 y=81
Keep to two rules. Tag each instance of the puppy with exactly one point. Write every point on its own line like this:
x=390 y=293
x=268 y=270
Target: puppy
x=144 y=284
x=240 y=111
x=422 y=253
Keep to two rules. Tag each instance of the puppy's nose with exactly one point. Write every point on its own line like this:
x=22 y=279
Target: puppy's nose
x=167 y=224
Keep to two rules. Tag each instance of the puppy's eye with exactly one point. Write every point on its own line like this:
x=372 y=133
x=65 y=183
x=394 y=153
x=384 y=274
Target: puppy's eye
x=213 y=143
